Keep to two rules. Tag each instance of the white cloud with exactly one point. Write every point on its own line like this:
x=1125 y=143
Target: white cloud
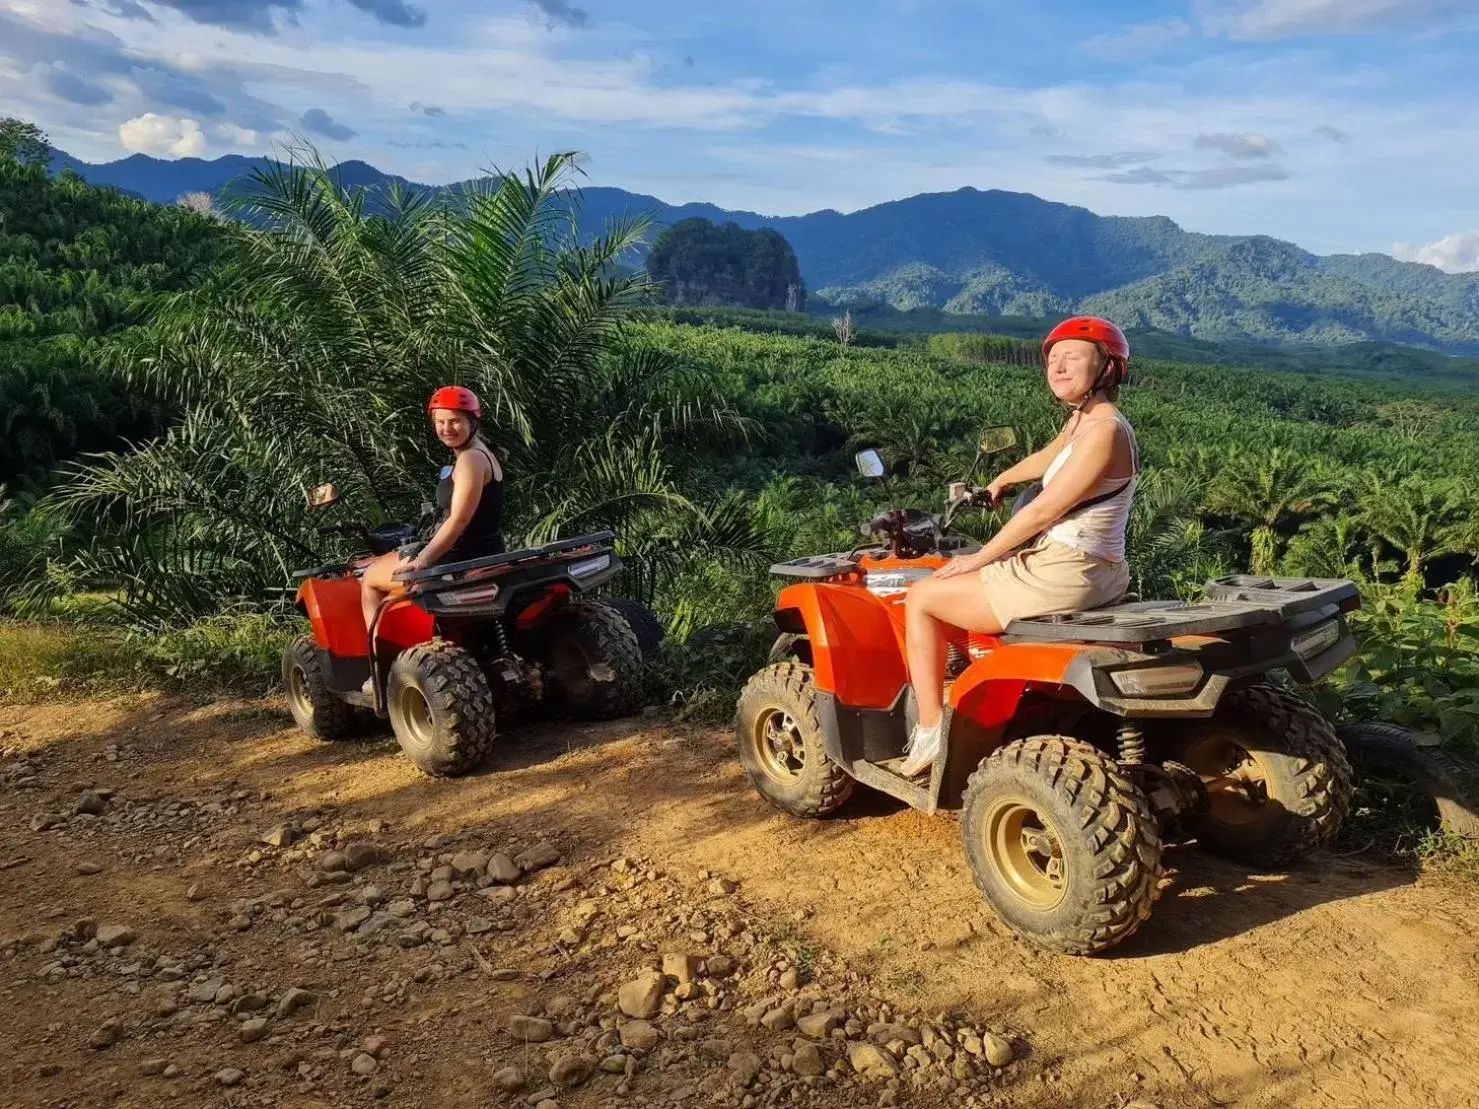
x=1139 y=39
x=1243 y=146
x=236 y=136
x=1272 y=19
x=157 y=134
x=1454 y=254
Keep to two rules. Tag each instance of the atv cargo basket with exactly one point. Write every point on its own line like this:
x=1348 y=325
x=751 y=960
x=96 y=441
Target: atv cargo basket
x=1233 y=603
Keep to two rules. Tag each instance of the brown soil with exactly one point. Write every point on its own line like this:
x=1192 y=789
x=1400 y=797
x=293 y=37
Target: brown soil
x=1349 y=982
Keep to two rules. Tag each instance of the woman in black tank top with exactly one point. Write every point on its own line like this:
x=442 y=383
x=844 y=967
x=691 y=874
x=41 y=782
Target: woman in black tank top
x=469 y=499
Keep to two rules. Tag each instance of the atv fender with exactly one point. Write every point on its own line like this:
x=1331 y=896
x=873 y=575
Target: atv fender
x=857 y=641
x=332 y=606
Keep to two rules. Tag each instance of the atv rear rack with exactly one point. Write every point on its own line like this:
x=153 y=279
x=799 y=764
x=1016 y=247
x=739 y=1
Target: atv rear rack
x=532 y=554
x=1234 y=603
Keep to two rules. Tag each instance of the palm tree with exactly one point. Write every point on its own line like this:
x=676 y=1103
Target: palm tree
x=1272 y=494
x=1170 y=549
x=1421 y=520
x=1332 y=548
x=312 y=357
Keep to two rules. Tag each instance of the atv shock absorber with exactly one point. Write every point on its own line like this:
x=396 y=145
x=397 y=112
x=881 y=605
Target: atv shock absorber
x=1132 y=744
x=956 y=661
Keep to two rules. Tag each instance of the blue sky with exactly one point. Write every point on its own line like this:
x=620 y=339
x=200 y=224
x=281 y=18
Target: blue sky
x=1343 y=125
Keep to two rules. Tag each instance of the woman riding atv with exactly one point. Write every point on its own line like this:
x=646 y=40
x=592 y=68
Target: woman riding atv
x=469 y=499
x=1063 y=550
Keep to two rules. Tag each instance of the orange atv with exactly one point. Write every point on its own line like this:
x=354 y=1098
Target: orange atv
x=461 y=644
x=1074 y=744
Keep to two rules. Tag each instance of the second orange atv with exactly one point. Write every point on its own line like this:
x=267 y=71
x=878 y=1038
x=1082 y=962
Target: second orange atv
x=1073 y=744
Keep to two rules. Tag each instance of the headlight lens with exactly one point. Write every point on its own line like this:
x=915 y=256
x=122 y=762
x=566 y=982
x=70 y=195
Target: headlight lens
x=590 y=566
x=1318 y=639
x=1154 y=681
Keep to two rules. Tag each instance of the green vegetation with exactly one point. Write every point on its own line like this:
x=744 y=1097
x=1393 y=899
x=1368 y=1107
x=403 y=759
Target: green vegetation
x=79 y=268
x=302 y=350
x=696 y=263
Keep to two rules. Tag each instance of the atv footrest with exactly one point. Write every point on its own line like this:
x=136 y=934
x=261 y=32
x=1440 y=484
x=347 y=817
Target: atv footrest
x=883 y=779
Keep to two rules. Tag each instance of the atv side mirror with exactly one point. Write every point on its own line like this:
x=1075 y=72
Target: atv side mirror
x=870 y=463
x=321 y=496
x=997 y=439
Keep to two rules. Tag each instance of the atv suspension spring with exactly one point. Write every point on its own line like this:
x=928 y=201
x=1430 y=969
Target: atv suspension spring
x=956 y=661
x=500 y=638
x=1132 y=744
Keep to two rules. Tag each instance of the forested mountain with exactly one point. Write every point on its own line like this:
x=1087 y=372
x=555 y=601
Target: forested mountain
x=1004 y=253
x=696 y=262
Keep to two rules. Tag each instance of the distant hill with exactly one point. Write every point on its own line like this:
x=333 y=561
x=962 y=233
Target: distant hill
x=1013 y=254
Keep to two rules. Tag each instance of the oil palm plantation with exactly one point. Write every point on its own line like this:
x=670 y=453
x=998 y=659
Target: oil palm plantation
x=1419 y=520
x=1270 y=493
x=311 y=358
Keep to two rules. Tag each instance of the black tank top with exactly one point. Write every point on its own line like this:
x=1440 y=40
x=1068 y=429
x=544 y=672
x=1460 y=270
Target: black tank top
x=484 y=532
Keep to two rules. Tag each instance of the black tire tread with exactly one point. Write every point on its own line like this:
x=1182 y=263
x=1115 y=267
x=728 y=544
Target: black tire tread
x=1113 y=815
x=605 y=636
x=1377 y=745
x=826 y=785
x=1321 y=773
x=642 y=620
x=333 y=719
x=461 y=702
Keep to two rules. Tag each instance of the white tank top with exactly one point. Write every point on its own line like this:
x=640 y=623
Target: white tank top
x=1099 y=529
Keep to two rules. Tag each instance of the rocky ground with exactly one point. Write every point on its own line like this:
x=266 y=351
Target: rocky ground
x=198 y=905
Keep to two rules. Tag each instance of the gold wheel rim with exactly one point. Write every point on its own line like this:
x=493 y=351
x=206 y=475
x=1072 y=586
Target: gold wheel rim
x=777 y=743
x=1027 y=851
x=298 y=692
x=1237 y=782
x=413 y=717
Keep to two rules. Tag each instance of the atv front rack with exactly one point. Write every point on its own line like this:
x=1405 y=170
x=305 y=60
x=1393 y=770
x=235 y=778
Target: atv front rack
x=1233 y=603
x=816 y=567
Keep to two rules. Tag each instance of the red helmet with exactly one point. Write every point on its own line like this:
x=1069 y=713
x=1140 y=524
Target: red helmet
x=455 y=398
x=1099 y=331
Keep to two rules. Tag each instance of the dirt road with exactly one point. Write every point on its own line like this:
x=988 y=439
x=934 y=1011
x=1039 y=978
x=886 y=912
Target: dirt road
x=1346 y=983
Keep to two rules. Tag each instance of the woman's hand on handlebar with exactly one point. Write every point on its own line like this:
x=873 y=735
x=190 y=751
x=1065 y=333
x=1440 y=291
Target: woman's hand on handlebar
x=997 y=489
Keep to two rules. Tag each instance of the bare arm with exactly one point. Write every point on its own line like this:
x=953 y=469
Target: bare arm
x=1030 y=468
x=1091 y=460
x=469 y=475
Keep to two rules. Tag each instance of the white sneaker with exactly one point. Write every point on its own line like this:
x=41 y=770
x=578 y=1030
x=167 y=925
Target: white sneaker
x=924 y=748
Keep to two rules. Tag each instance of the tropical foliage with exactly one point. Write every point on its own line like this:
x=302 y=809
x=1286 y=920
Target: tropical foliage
x=79 y=267
x=310 y=358
x=302 y=350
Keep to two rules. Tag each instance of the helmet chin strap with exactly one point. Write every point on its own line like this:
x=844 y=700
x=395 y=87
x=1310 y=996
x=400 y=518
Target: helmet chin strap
x=1098 y=387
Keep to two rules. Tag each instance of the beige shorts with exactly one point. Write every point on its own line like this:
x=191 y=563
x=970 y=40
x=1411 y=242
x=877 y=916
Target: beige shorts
x=1052 y=577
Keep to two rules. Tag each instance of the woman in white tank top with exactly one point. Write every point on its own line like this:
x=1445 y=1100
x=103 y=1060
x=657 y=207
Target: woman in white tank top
x=1065 y=550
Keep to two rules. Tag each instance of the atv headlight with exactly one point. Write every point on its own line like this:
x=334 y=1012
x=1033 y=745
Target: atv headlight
x=1154 y=681
x=590 y=566
x=1317 y=640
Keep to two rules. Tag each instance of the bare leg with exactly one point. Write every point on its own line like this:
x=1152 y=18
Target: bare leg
x=375 y=583
x=960 y=602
